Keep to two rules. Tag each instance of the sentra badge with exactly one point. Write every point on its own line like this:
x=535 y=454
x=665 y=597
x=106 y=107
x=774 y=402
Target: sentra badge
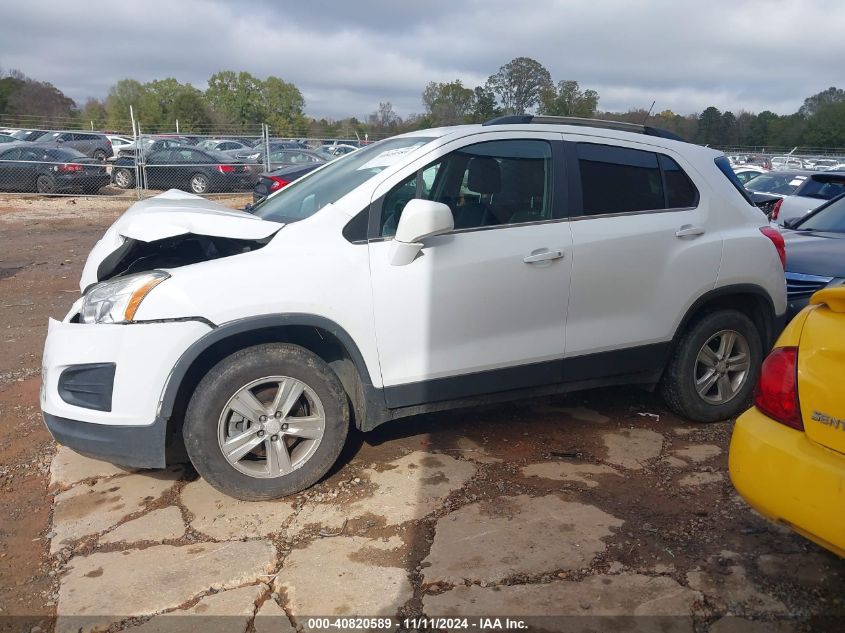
x=829 y=420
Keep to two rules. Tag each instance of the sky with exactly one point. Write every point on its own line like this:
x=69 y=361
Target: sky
x=347 y=56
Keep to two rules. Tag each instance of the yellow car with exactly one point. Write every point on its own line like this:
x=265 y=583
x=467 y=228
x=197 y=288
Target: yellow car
x=787 y=455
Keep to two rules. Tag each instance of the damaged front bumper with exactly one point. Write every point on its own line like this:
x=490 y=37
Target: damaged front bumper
x=101 y=385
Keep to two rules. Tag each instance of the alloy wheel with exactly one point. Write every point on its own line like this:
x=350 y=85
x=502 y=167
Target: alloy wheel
x=271 y=426
x=721 y=367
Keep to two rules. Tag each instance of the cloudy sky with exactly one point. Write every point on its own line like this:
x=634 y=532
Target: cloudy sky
x=346 y=56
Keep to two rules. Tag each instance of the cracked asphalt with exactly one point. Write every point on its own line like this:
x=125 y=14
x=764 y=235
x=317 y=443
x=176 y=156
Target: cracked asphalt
x=580 y=507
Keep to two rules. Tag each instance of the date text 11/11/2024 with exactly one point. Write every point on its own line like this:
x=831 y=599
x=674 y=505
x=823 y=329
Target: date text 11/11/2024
x=415 y=624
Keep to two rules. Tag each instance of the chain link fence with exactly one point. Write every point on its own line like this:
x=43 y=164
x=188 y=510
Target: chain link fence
x=221 y=161
x=37 y=161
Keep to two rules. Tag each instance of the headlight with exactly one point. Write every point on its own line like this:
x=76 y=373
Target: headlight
x=116 y=301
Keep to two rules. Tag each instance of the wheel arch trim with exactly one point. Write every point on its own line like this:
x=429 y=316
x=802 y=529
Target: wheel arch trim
x=724 y=292
x=255 y=324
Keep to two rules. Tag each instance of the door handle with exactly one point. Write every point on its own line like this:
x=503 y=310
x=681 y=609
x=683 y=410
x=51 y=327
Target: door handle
x=543 y=256
x=688 y=230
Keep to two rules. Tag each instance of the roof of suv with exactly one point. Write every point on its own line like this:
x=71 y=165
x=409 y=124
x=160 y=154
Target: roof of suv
x=565 y=125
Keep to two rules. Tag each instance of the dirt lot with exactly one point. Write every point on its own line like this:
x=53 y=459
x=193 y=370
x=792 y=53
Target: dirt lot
x=593 y=505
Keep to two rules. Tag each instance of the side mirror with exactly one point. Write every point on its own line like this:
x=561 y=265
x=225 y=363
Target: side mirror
x=420 y=219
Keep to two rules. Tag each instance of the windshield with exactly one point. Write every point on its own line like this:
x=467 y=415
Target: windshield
x=783 y=184
x=64 y=153
x=830 y=219
x=305 y=197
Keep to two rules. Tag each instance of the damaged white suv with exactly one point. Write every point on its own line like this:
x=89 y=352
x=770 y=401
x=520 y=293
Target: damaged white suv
x=431 y=270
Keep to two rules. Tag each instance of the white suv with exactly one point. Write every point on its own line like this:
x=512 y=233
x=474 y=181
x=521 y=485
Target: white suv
x=431 y=270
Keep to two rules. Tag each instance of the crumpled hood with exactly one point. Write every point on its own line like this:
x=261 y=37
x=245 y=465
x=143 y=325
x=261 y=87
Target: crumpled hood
x=171 y=214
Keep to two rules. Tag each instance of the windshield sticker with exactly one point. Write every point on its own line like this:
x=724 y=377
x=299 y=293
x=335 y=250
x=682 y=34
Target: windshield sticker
x=796 y=181
x=389 y=157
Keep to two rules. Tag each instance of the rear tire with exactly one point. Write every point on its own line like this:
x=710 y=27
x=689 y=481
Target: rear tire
x=45 y=185
x=123 y=178
x=213 y=422
x=99 y=155
x=705 y=380
x=200 y=184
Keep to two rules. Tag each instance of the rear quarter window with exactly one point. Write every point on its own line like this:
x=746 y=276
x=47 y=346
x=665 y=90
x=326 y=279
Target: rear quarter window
x=725 y=167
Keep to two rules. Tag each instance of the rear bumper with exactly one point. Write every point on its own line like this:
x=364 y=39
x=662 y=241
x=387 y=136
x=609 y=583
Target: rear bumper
x=790 y=479
x=135 y=446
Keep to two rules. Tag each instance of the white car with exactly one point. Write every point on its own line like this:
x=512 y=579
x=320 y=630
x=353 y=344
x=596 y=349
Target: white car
x=119 y=143
x=816 y=189
x=746 y=173
x=431 y=270
x=780 y=163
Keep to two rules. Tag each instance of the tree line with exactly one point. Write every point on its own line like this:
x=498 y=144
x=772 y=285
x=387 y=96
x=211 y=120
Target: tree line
x=240 y=102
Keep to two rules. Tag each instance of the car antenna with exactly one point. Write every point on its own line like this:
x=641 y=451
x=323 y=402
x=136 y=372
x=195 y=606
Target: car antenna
x=648 y=114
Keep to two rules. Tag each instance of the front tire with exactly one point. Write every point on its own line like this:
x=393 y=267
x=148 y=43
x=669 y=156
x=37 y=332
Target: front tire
x=266 y=422
x=714 y=367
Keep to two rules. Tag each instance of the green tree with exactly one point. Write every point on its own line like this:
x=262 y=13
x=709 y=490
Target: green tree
x=94 y=111
x=238 y=97
x=283 y=105
x=710 y=127
x=190 y=109
x=569 y=100
x=519 y=84
x=484 y=105
x=729 y=133
x=825 y=97
x=125 y=93
x=826 y=128
x=447 y=103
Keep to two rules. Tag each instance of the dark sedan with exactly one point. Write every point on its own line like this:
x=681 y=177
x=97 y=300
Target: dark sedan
x=49 y=170
x=815 y=253
x=272 y=181
x=187 y=168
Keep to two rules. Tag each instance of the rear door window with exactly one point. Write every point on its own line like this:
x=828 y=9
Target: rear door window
x=619 y=179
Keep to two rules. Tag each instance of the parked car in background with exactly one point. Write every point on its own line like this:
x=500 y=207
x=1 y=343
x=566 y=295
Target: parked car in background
x=91 y=144
x=787 y=454
x=119 y=142
x=28 y=135
x=34 y=167
x=825 y=164
x=338 y=150
x=777 y=183
x=187 y=168
x=816 y=188
x=272 y=181
x=256 y=152
x=150 y=145
x=760 y=161
x=781 y=163
x=746 y=173
x=222 y=145
x=815 y=253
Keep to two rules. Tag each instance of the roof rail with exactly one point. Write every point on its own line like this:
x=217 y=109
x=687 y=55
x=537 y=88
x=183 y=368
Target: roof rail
x=568 y=120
